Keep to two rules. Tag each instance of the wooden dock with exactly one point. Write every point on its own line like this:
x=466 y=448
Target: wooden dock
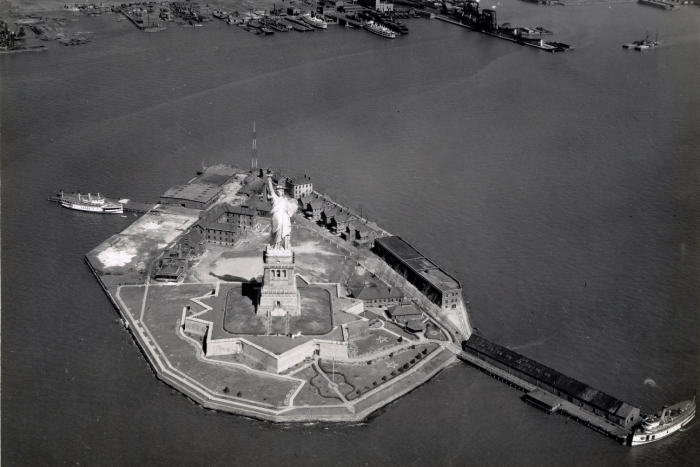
x=343 y=20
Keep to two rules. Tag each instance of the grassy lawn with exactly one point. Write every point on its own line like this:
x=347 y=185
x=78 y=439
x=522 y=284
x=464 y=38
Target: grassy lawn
x=163 y=311
x=376 y=341
x=316 y=317
x=309 y=395
x=365 y=377
x=321 y=385
x=132 y=297
x=239 y=314
x=394 y=328
x=410 y=381
x=434 y=332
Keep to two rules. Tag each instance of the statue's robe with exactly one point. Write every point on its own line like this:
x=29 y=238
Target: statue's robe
x=282 y=210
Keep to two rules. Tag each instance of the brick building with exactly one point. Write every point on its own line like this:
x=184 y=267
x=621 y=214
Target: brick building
x=378 y=296
x=299 y=186
x=438 y=286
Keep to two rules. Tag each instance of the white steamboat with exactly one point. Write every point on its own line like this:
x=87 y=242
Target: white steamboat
x=664 y=423
x=379 y=29
x=314 y=21
x=90 y=203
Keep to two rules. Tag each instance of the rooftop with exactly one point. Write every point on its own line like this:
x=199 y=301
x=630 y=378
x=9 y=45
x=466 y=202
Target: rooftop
x=399 y=248
x=299 y=180
x=199 y=192
x=419 y=263
x=553 y=378
x=403 y=310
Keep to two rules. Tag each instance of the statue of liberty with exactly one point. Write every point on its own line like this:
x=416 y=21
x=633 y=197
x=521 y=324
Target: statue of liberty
x=282 y=210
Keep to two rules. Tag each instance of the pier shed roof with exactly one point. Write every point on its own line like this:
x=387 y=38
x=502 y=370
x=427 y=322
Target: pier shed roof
x=399 y=248
x=198 y=192
x=551 y=377
x=216 y=175
x=419 y=263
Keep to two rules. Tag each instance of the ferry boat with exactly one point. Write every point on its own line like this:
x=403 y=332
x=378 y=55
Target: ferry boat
x=314 y=21
x=91 y=204
x=379 y=30
x=664 y=423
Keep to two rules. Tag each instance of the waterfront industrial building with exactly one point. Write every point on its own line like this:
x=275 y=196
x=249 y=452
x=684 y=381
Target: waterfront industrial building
x=438 y=286
x=202 y=191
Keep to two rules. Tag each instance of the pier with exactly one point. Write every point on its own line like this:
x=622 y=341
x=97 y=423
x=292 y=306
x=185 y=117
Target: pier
x=299 y=25
x=659 y=4
x=484 y=21
x=551 y=391
x=155 y=28
x=343 y=20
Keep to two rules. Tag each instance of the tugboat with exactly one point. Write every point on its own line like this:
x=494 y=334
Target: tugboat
x=91 y=204
x=664 y=423
x=314 y=21
x=644 y=44
x=379 y=30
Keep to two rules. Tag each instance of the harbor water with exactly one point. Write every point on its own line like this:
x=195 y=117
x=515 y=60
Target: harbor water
x=562 y=190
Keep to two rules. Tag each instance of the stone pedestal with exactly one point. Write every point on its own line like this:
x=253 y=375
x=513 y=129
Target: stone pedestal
x=279 y=294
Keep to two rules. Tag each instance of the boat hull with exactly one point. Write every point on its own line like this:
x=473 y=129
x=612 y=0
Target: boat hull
x=108 y=209
x=382 y=32
x=314 y=22
x=640 y=436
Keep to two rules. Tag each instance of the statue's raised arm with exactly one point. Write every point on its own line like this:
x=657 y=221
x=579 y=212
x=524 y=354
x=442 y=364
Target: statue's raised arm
x=271 y=189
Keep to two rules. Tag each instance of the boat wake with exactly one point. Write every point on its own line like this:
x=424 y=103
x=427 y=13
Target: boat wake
x=683 y=430
x=532 y=344
x=651 y=382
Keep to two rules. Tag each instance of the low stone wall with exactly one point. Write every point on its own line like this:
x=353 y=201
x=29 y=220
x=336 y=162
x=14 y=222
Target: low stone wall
x=222 y=347
x=296 y=355
x=196 y=327
x=266 y=359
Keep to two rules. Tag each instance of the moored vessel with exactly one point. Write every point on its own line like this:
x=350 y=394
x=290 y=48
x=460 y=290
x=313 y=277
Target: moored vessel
x=90 y=203
x=664 y=423
x=314 y=21
x=379 y=30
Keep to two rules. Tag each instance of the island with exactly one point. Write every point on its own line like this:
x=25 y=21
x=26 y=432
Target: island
x=253 y=293
x=282 y=308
